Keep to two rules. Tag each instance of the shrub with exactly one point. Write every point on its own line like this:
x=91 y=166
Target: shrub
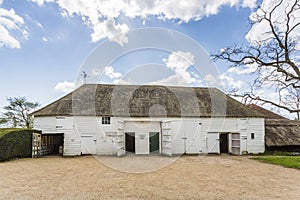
x=15 y=143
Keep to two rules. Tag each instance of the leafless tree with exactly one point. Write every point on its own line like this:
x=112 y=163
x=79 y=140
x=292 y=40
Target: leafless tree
x=275 y=55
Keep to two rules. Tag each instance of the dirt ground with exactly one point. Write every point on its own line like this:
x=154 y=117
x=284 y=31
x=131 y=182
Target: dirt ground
x=190 y=177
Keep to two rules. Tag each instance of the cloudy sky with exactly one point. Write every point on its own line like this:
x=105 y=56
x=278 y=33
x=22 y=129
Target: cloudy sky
x=45 y=45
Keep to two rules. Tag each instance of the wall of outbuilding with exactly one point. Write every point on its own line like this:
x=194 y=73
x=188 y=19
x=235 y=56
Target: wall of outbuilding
x=188 y=135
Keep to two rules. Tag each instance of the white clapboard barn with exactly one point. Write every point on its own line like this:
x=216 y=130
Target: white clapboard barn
x=117 y=119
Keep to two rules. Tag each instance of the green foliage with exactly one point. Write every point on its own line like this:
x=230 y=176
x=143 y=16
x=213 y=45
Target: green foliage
x=285 y=161
x=3 y=121
x=18 y=112
x=15 y=143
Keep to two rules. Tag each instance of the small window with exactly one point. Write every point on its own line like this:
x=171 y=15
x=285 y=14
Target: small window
x=105 y=120
x=252 y=136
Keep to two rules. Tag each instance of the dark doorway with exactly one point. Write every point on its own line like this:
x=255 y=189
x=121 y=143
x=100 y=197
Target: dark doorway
x=223 y=143
x=154 y=142
x=52 y=144
x=130 y=142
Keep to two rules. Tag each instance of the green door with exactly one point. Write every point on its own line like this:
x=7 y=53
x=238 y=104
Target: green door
x=154 y=142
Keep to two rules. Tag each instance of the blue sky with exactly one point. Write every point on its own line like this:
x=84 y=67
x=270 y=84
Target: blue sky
x=43 y=53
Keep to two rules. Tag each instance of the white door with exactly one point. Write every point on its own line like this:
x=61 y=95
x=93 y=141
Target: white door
x=235 y=143
x=213 y=143
x=166 y=138
x=178 y=140
x=192 y=135
x=88 y=144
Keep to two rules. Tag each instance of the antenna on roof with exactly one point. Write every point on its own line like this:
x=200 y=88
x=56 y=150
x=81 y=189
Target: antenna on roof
x=84 y=75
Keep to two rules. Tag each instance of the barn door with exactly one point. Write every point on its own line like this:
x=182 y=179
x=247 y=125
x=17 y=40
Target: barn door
x=166 y=138
x=192 y=134
x=154 y=142
x=235 y=143
x=88 y=144
x=213 y=143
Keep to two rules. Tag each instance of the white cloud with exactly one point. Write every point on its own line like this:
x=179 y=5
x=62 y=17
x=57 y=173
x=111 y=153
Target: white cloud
x=108 y=71
x=249 y=3
x=248 y=69
x=33 y=21
x=175 y=79
x=41 y=2
x=39 y=24
x=109 y=28
x=104 y=16
x=45 y=39
x=222 y=50
x=179 y=62
x=224 y=80
x=96 y=72
x=213 y=81
x=65 y=87
x=230 y=82
x=10 y=21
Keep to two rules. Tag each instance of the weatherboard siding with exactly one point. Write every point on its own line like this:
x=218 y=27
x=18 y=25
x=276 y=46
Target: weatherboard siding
x=244 y=126
x=47 y=124
x=187 y=135
x=72 y=143
x=256 y=126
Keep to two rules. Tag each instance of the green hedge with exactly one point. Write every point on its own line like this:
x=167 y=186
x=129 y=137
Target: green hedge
x=15 y=143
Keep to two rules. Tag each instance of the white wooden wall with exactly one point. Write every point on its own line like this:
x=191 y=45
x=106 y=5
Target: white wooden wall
x=189 y=135
x=186 y=136
x=244 y=126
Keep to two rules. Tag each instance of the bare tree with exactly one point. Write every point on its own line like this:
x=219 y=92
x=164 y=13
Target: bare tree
x=18 y=112
x=275 y=55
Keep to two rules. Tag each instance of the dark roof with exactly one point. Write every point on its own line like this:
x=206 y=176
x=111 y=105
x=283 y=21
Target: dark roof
x=145 y=101
x=266 y=113
x=280 y=132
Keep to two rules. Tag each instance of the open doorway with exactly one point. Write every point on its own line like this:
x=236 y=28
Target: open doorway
x=52 y=144
x=224 y=147
x=130 y=142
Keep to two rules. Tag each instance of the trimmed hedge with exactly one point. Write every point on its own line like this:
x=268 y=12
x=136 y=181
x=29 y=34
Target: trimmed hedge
x=15 y=143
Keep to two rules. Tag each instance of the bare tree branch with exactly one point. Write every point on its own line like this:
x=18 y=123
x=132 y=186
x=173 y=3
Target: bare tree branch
x=275 y=56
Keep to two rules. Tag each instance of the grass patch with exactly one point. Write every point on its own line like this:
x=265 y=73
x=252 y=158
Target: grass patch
x=276 y=153
x=285 y=161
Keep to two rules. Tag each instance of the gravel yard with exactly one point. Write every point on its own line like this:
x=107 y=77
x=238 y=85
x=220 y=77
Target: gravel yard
x=189 y=177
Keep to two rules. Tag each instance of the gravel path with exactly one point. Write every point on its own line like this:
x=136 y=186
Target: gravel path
x=190 y=177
